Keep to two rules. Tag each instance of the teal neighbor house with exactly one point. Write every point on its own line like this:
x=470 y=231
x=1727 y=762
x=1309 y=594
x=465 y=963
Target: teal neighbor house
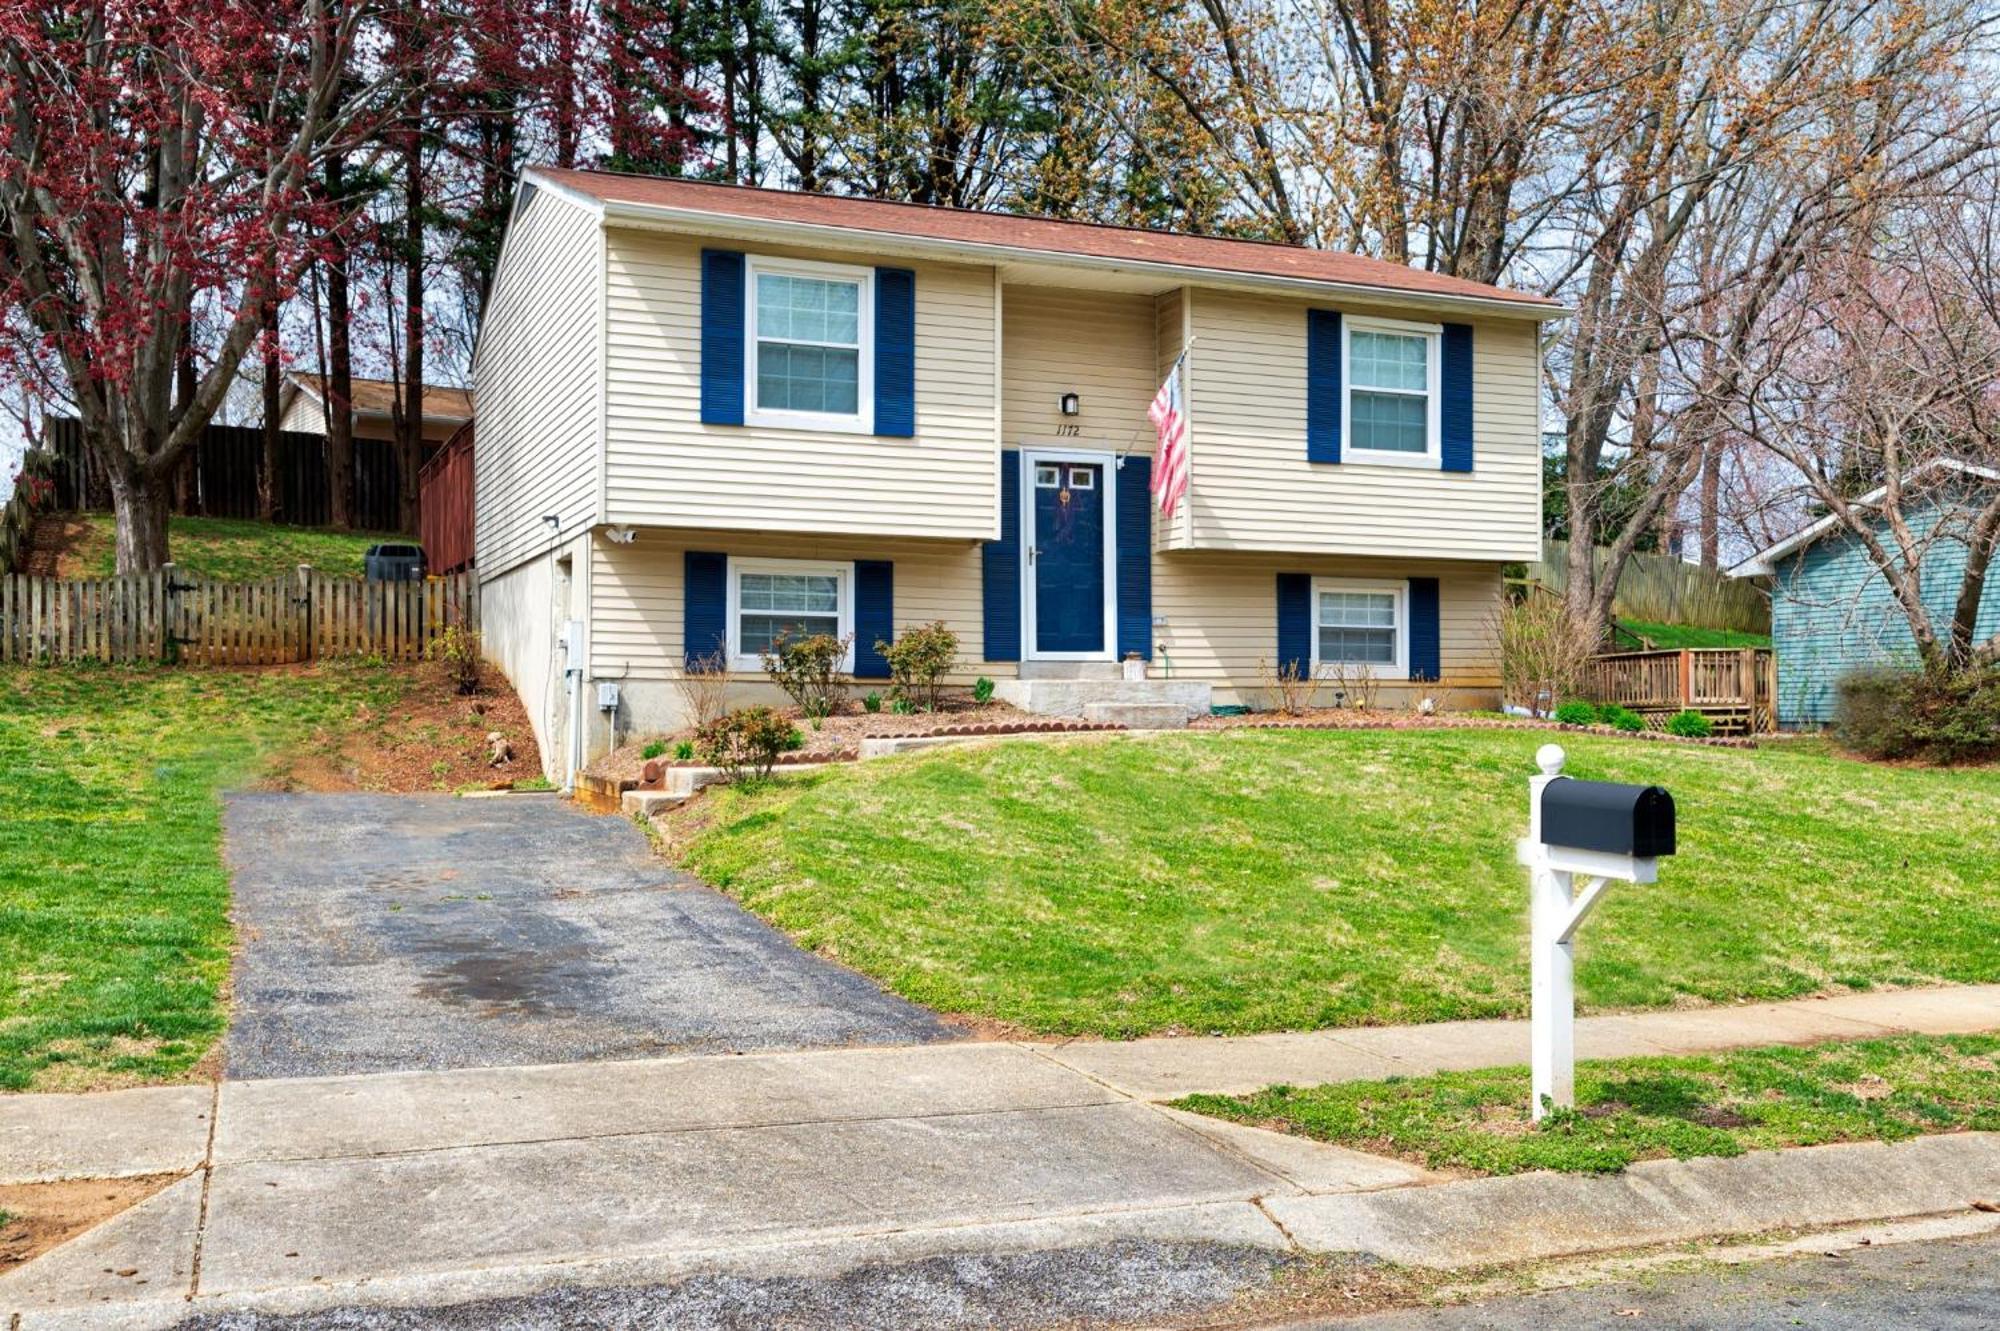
x=1832 y=611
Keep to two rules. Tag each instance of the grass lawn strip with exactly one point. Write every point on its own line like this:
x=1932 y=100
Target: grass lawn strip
x=1665 y=637
x=1633 y=1109
x=1294 y=880
x=228 y=549
x=114 y=928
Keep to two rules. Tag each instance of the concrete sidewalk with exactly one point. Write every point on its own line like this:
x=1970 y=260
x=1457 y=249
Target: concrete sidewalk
x=423 y=1189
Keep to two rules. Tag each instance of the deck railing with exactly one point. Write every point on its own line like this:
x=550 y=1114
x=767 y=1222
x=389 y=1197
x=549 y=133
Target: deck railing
x=1734 y=687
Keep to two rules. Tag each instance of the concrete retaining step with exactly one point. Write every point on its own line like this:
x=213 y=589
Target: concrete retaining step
x=1070 y=697
x=1138 y=715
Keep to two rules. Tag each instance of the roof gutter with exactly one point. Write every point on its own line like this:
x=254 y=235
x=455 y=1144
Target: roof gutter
x=657 y=217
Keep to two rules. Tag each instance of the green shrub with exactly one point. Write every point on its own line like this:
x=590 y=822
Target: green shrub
x=871 y=701
x=1577 y=713
x=1689 y=724
x=805 y=668
x=654 y=749
x=902 y=706
x=684 y=751
x=982 y=690
x=457 y=649
x=919 y=661
x=746 y=743
x=1909 y=714
x=1622 y=718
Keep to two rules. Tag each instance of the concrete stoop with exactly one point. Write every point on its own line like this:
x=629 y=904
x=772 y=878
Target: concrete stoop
x=1141 y=704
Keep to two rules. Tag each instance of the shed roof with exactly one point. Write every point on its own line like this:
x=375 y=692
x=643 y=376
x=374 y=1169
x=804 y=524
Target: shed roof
x=1765 y=561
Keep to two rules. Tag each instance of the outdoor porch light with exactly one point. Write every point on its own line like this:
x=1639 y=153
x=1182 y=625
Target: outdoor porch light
x=1071 y=404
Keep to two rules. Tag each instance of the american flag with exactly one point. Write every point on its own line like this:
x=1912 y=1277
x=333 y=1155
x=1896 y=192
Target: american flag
x=1170 y=463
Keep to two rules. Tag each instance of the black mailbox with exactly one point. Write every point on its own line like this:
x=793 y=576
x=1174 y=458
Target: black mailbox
x=1609 y=817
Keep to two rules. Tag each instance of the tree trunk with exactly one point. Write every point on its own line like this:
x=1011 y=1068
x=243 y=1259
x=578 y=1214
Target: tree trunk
x=410 y=426
x=184 y=487
x=267 y=474
x=339 y=384
x=140 y=504
x=1711 y=506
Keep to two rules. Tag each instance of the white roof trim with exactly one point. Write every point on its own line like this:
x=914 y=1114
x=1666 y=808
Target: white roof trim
x=711 y=221
x=1765 y=562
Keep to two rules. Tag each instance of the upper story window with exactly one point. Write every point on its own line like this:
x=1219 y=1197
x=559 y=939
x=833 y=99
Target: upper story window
x=1391 y=380
x=1360 y=625
x=810 y=345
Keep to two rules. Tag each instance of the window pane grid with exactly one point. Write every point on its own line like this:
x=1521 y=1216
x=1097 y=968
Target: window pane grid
x=1357 y=628
x=808 y=344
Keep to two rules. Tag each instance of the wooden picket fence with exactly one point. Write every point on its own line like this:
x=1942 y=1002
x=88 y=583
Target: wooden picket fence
x=165 y=616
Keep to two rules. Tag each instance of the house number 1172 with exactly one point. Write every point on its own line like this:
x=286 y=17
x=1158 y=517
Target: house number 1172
x=1068 y=431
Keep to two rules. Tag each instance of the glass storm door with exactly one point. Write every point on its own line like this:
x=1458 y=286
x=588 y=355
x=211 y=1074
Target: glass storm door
x=1069 y=558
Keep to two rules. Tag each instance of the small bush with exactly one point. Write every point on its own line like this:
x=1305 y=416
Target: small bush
x=746 y=743
x=982 y=690
x=1620 y=718
x=457 y=649
x=902 y=707
x=1910 y=714
x=871 y=701
x=919 y=661
x=654 y=749
x=684 y=751
x=805 y=668
x=1689 y=724
x=1577 y=713
x=704 y=687
x=1288 y=687
x=1544 y=653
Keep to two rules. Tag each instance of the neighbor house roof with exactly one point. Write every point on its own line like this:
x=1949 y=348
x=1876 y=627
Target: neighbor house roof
x=374 y=397
x=1766 y=561
x=1028 y=237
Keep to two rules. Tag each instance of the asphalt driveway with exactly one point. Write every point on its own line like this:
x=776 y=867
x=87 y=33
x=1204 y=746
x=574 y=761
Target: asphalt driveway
x=392 y=932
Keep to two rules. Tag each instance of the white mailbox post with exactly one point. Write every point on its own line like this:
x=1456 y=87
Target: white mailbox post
x=1602 y=833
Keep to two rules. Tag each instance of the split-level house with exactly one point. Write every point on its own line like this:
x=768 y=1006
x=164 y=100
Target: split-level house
x=709 y=414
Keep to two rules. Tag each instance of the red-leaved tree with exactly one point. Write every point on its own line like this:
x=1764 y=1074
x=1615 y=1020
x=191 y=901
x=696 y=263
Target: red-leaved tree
x=160 y=157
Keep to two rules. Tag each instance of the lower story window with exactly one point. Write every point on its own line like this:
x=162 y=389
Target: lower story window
x=1359 y=624
x=773 y=598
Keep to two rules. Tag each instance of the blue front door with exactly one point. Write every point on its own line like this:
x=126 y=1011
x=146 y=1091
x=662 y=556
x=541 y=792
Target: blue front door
x=1069 y=556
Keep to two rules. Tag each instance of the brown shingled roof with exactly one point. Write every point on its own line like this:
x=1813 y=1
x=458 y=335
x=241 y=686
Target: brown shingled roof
x=1040 y=234
x=374 y=396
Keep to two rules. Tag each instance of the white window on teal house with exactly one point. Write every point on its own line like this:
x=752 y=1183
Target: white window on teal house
x=1361 y=626
x=810 y=344
x=1391 y=371
x=773 y=598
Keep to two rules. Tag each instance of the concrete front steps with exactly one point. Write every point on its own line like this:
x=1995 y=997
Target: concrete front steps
x=1097 y=691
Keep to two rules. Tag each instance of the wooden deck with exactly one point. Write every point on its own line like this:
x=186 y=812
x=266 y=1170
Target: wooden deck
x=1735 y=688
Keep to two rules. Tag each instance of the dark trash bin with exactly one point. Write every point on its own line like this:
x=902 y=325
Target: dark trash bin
x=391 y=562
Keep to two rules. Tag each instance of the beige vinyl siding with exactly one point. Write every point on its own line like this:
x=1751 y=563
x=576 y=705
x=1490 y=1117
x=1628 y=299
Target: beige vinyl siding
x=638 y=608
x=663 y=467
x=303 y=414
x=1222 y=613
x=1254 y=490
x=536 y=381
x=1099 y=345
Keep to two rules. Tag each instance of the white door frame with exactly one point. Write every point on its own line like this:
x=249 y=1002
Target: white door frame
x=1107 y=463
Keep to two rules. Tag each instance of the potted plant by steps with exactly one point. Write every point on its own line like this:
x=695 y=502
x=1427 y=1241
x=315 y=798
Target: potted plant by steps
x=1135 y=668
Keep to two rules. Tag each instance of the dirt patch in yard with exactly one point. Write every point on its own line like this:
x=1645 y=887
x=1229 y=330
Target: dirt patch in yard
x=430 y=739
x=35 y=1217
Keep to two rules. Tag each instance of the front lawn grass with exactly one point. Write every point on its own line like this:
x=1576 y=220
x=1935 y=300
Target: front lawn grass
x=226 y=549
x=1631 y=1109
x=114 y=928
x=1287 y=880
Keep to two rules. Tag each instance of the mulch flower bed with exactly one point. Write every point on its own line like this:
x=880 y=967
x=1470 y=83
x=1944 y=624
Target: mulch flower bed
x=1328 y=718
x=838 y=737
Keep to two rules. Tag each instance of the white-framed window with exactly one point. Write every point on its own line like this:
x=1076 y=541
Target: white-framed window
x=769 y=597
x=810 y=345
x=1361 y=625
x=1048 y=476
x=1389 y=391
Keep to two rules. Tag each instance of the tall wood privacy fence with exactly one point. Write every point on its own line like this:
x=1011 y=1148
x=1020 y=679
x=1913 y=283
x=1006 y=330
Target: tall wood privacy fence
x=1660 y=589
x=167 y=616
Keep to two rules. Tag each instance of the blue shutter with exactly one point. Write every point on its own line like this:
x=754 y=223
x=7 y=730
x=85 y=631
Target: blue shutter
x=1295 y=623
x=1322 y=386
x=874 y=615
x=1425 y=645
x=721 y=337
x=706 y=618
x=895 y=352
x=1455 y=411
x=1135 y=557
x=1000 y=567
